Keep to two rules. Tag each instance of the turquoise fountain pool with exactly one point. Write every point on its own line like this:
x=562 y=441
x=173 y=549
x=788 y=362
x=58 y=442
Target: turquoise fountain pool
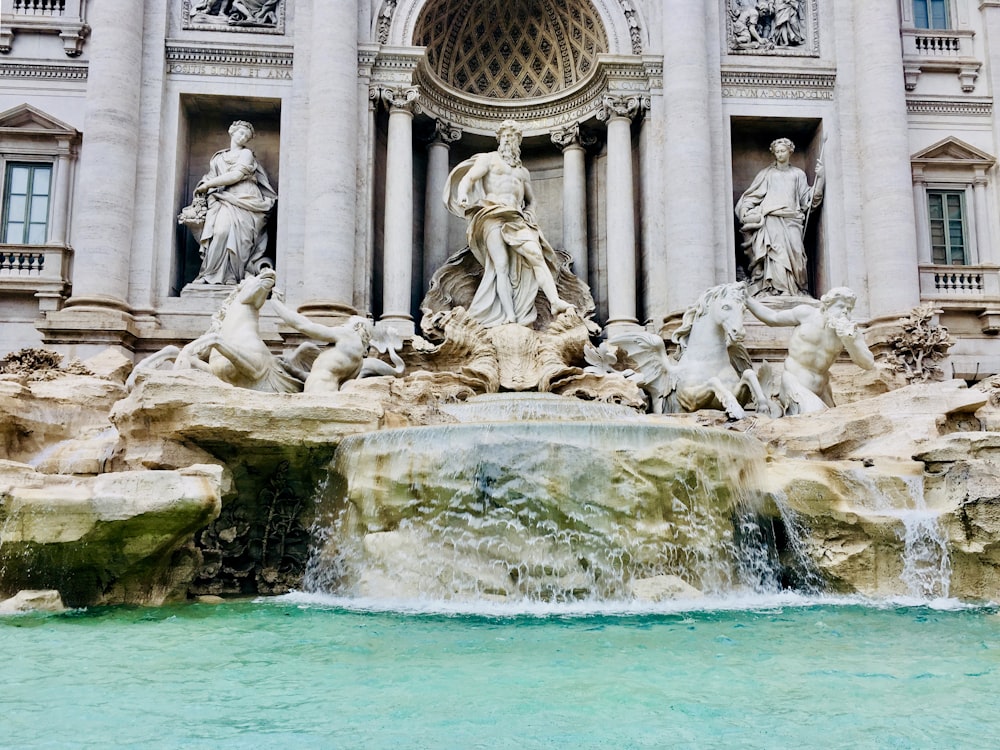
x=314 y=672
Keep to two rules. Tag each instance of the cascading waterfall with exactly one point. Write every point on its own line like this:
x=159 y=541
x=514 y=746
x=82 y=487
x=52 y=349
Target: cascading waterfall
x=542 y=510
x=926 y=562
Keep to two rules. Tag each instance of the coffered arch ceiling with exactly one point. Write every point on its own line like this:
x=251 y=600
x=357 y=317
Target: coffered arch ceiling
x=511 y=49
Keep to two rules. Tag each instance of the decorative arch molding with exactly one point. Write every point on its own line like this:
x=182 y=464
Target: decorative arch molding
x=396 y=24
x=397 y=68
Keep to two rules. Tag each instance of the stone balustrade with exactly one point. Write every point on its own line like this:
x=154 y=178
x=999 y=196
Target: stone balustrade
x=41 y=270
x=63 y=17
x=946 y=50
x=959 y=283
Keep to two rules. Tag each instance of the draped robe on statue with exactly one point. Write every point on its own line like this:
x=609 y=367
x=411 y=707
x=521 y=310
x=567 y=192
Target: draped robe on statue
x=233 y=241
x=516 y=229
x=772 y=212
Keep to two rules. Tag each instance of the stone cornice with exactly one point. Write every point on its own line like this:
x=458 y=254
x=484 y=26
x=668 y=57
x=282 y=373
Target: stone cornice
x=49 y=71
x=229 y=61
x=964 y=107
x=778 y=84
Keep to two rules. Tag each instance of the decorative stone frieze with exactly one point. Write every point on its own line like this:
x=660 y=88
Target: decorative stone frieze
x=245 y=16
x=50 y=71
x=754 y=84
x=229 y=62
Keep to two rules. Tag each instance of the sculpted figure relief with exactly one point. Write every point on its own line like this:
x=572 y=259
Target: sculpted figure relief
x=819 y=337
x=229 y=212
x=773 y=213
x=766 y=25
x=237 y=12
x=493 y=192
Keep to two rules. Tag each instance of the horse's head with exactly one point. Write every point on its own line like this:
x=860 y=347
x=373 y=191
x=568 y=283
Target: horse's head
x=723 y=307
x=726 y=309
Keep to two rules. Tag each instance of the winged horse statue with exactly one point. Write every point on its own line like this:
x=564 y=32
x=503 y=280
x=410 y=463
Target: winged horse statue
x=711 y=369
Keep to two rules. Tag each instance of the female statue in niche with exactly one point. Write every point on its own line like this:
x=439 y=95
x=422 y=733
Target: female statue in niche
x=232 y=201
x=773 y=213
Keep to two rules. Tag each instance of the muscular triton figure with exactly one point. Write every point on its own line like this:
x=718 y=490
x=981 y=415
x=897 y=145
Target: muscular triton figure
x=819 y=337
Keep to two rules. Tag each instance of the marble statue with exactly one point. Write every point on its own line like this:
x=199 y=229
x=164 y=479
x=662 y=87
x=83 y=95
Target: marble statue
x=493 y=192
x=745 y=23
x=773 y=213
x=233 y=349
x=820 y=335
x=229 y=212
x=787 y=29
x=712 y=368
x=327 y=368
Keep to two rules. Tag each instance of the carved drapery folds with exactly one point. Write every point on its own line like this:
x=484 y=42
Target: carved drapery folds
x=257 y=16
x=772 y=27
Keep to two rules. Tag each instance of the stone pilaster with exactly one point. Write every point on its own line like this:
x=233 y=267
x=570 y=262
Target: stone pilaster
x=617 y=112
x=331 y=177
x=435 y=211
x=574 y=154
x=397 y=253
x=888 y=223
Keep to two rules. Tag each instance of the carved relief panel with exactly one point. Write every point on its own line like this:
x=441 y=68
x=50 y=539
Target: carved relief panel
x=255 y=16
x=772 y=27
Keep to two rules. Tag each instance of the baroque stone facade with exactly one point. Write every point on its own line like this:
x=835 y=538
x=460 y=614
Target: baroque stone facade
x=643 y=124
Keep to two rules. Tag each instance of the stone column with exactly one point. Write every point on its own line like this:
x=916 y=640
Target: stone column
x=888 y=223
x=689 y=264
x=574 y=197
x=618 y=112
x=102 y=232
x=435 y=210
x=331 y=177
x=397 y=251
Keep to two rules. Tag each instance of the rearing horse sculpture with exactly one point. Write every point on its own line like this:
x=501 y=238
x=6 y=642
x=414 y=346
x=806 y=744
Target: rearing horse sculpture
x=711 y=370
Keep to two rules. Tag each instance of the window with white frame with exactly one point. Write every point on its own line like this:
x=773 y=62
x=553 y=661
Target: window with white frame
x=27 y=193
x=948 y=227
x=931 y=14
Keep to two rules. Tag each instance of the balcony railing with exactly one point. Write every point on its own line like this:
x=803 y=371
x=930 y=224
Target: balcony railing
x=41 y=270
x=67 y=18
x=960 y=283
x=948 y=51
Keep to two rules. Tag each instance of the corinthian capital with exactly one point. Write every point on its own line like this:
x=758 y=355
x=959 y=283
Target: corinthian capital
x=621 y=106
x=400 y=98
x=445 y=132
x=571 y=136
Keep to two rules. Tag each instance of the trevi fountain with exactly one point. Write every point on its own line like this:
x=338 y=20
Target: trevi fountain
x=569 y=535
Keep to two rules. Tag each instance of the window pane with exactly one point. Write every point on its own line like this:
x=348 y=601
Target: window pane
x=18 y=180
x=17 y=208
x=920 y=14
x=939 y=14
x=15 y=233
x=40 y=181
x=36 y=234
x=39 y=210
x=935 y=205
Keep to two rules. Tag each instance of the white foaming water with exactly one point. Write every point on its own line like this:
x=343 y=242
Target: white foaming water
x=543 y=511
x=926 y=559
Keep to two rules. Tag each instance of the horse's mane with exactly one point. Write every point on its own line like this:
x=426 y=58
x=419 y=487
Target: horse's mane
x=699 y=308
x=220 y=314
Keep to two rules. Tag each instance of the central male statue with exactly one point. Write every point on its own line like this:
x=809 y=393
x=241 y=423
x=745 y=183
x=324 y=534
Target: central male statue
x=493 y=192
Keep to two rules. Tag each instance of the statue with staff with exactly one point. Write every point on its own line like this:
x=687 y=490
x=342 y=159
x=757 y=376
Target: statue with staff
x=773 y=213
